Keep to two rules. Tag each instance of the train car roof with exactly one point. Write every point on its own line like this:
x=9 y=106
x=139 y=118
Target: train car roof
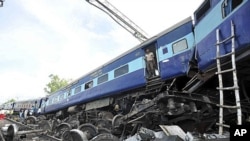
x=28 y=100
x=142 y=45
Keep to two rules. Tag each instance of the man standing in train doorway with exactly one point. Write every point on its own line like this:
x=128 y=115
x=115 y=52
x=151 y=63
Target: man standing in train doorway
x=150 y=63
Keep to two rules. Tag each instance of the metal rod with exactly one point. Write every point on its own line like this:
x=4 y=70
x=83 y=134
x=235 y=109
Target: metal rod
x=220 y=81
x=29 y=131
x=237 y=95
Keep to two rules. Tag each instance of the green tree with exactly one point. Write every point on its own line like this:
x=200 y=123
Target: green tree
x=10 y=101
x=55 y=84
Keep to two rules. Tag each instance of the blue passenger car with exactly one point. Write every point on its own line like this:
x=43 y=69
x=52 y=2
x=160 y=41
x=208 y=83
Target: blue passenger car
x=33 y=104
x=218 y=14
x=121 y=74
x=173 y=49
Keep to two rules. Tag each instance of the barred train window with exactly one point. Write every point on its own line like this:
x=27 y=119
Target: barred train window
x=203 y=10
x=121 y=71
x=50 y=101
x=180 y=46
x=68 y=92
x=89 y=85
x=229 y=5
x=54 y=100
x=61 y=97
x=78 y=89
x=102 y=79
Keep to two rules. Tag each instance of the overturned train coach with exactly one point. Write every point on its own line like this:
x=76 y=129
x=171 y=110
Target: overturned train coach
x=118 y=97
x=18 y=106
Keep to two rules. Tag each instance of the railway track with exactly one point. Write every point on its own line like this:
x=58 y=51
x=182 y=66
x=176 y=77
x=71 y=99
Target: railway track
x=14 y=131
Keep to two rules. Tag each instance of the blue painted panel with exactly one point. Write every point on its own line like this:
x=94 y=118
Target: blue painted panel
x=175 y=34
x=94 y=82
x=54 y=107
x=120 y=84
x=162 y=56
x=136 y=64
x=173 y=65
x=127 y=82
x=213 y=3
x=125 y=59
x=209 y=22
x=206 y=50
x=116 y=64
x=176 y=65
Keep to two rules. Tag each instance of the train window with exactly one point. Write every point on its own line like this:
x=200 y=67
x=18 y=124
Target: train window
x=121 y=71
x=229 y=5
x=165 y=50
x=68 y=92
x=203 y=10
x=43 y=103
x=180 y=46
x=236 y=3
x=78 y=89
x=102 y=79
x=89 y=85
x=54 y=100
x=61 y=96
x=49 y=101
x=65 y=94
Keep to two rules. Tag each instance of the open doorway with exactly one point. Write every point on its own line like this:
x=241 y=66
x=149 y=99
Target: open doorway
x=151 y=62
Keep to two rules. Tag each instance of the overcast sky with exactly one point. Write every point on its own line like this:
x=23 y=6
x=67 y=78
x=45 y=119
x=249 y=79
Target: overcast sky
x=70 y=38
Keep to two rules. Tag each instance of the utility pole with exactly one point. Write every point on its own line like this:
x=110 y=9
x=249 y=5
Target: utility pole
x=120 y=18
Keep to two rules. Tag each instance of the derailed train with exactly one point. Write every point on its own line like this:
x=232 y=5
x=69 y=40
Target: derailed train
x=118 y=97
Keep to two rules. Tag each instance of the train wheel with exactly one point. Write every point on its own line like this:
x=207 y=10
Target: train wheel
x=30 y=120
x=89 y=129
x=11 y=132
x=66 y=136
x=75 y=135
x=62 y=128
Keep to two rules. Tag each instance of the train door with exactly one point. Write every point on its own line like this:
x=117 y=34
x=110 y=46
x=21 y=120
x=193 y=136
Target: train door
x=13 y=105
x=151 y=61
x=42 y=106
x=40 y=103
